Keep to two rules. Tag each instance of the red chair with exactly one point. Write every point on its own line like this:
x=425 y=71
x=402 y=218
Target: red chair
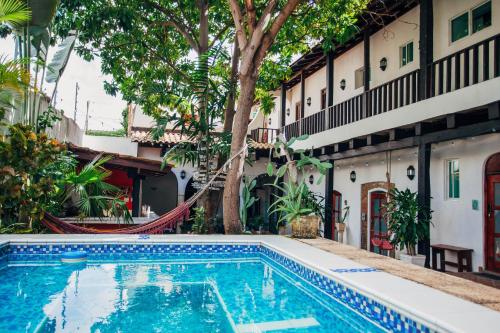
x=386 y=245
x=376 y=242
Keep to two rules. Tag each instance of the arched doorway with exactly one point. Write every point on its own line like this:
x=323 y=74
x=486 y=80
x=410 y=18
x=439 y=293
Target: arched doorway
x=378 y=222
x=492 y=213
x=258 y=215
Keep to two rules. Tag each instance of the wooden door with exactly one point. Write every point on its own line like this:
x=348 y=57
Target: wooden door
x=493 y=223
x=378 y=223
x=336 y=212
x=298 y=111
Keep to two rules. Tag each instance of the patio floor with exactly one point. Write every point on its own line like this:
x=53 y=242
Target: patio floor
x=465 y=289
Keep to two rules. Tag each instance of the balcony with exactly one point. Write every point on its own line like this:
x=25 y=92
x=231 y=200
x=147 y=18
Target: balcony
x=470 y=66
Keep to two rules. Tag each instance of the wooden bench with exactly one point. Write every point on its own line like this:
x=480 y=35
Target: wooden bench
x=462 y=253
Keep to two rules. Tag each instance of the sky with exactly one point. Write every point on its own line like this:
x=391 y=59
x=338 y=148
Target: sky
x=104 y=110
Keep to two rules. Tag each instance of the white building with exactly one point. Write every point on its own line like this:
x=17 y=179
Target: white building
x=427 y=115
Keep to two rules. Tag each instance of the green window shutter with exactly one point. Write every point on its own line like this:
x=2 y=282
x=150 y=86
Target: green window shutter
x=403 y=55
x=481 y=17
x=450 y=180
x=410 y=52
x=460 y=27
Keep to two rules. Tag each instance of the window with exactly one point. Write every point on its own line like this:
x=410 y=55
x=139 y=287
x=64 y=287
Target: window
x=453 y=179
x=481 y=17
x=323 y=98
x=406 y=54
x=460 y=27
x=359 y=78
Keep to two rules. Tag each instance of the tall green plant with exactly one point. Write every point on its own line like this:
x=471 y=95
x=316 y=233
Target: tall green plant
x=292 y=204
x=407 y=220
x=247 y=200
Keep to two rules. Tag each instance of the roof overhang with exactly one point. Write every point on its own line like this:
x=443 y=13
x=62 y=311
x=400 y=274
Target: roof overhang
x=126 y=162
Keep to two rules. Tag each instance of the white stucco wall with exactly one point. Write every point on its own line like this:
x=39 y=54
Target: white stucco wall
x=117 y=145
x=344 y=68
x=455 y=222
x=445 y=10
x=314 y=84
x=368 y=169
x=386 y=43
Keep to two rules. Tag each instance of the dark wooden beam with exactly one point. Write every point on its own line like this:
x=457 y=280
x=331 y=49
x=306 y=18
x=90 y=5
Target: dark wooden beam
x=491 y=126
x=366 y=51
x=329 y=78
x=302 y=94
x=486 y=127
x=423 y=128
x=375 y=139
x=398 y=134
x=451 y=121
x=357 y=143
x=341 y=146
x=494 y=110
x=328 y=202
x=426 y=48
x=424 y=192
x=283 y=104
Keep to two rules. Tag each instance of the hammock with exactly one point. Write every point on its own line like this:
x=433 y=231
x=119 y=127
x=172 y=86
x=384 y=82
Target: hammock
x=157 y=226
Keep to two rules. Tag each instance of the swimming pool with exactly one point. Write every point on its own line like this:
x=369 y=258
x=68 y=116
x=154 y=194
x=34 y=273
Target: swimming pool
x=180 y=288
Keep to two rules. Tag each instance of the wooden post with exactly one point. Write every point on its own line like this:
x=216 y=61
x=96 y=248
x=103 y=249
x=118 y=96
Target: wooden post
x=424 y=192
x=426 y=49
x=328 y=202
x=283 y=105
x=366 y=49
x=302 y=94
x=329 y=86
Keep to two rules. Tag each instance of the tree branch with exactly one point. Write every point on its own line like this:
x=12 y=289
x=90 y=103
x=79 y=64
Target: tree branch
x=238 y=23
x=250 y=13
x=178 y=25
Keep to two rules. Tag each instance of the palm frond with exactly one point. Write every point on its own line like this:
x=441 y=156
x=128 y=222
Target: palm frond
x=14 y=12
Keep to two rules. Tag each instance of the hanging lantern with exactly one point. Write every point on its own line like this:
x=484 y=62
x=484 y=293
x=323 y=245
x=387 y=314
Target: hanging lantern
x=410 y=172
x=353 y=176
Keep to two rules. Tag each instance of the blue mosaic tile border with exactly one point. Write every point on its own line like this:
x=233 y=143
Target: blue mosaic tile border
x=27 y=250
x=379 y=313
x=371 y=309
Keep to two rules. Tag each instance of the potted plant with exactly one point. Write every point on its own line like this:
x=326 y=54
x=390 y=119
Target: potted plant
x=408 y=223
x=295 y=208
x=298 y=206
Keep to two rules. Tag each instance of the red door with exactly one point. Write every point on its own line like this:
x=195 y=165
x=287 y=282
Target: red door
x=493 y=223
x=378 y=223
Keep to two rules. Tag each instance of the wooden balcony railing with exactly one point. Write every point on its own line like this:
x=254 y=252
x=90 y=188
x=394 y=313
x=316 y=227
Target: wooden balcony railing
x=264 y=135
x=474 y=64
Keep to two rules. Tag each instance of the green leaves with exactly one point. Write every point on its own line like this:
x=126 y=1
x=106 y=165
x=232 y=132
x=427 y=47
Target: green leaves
x=407 y=220
x=14 y=12
x=270 y=169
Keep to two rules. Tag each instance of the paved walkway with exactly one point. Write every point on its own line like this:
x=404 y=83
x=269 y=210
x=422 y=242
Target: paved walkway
x=468 y=290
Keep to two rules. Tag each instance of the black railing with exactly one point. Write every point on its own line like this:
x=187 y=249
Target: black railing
x=264 y=135
x=474 y=64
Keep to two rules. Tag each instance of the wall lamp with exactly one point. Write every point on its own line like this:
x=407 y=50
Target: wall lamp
x=353 y=176
x=410 y=172
x=383 y=63
x=311 y=179
x=183 y=174
x=288 y=111
x=308 y=101
x=342 y=84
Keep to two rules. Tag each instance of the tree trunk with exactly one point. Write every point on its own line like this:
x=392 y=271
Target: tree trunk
x=230 y=111
x=231 y=199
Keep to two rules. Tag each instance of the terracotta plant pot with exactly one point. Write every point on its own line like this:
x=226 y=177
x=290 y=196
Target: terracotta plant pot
x=305 y=227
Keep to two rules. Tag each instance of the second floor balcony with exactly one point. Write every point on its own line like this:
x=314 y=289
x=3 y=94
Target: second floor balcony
x=475 y=64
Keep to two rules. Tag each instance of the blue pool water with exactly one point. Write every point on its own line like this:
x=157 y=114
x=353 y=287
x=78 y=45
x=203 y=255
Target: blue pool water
x=205 y=295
